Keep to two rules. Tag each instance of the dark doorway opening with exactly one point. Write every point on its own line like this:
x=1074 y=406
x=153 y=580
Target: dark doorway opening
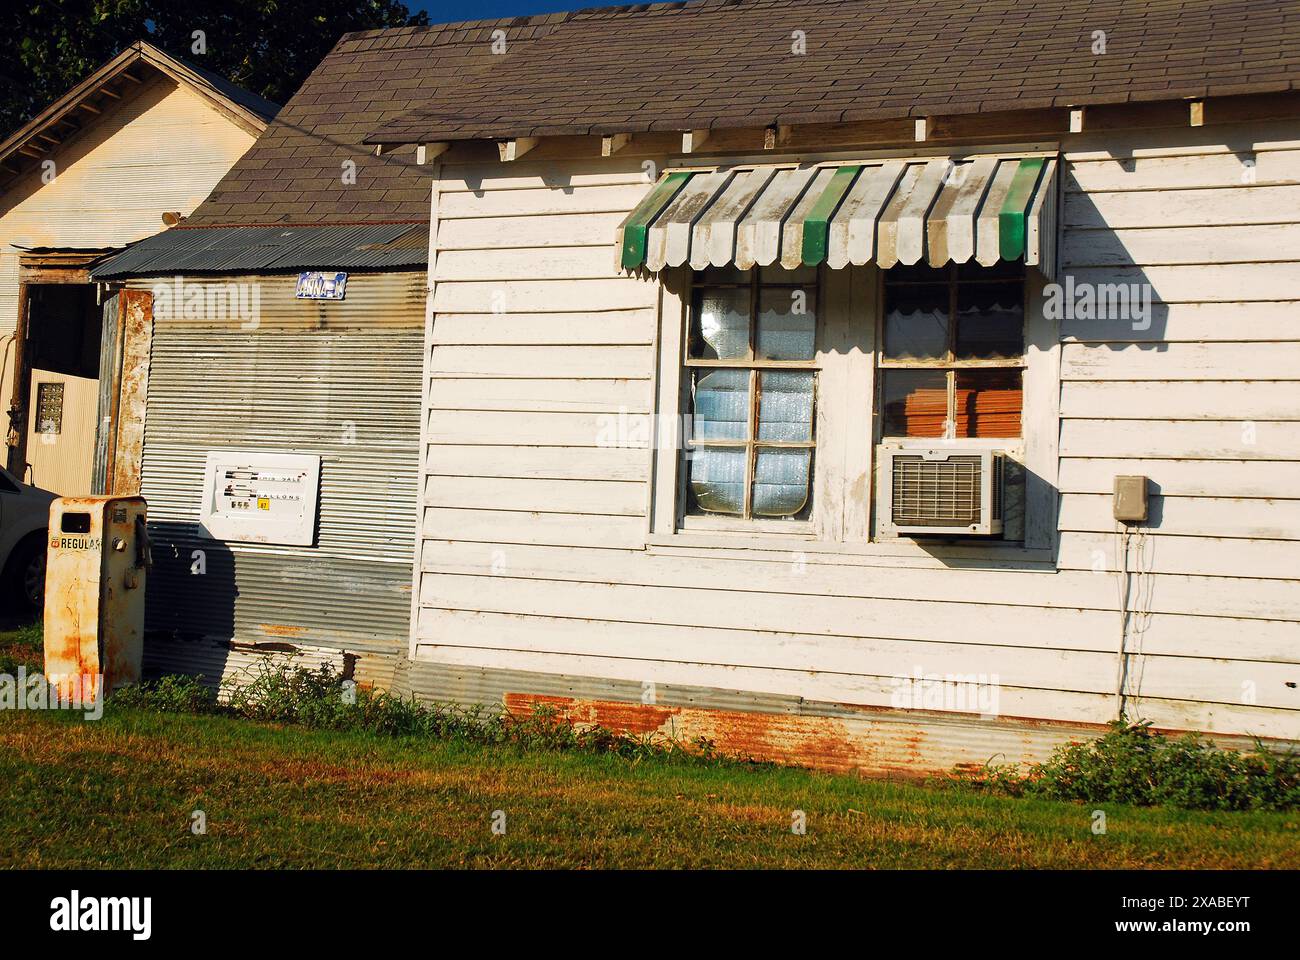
x=52 y=409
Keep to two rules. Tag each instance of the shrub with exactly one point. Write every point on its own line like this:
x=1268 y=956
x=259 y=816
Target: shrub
x=1133 y=764
x=169 y=694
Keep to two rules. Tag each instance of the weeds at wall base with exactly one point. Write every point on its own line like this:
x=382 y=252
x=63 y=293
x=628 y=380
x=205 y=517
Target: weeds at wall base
x=1133 y=764
x=321 y=699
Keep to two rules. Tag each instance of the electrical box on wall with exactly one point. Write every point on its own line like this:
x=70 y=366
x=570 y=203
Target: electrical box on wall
x=1130 y=504
x=256 y=497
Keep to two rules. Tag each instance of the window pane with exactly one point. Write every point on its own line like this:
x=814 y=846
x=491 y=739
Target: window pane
x=988 y=403
x=721 y=405
x=780 y=481
x=787 y=323
x=718 y=478
x=720 y=324
x=990 y=320
x=785 y=406
x=916 y=322
x=916 y=403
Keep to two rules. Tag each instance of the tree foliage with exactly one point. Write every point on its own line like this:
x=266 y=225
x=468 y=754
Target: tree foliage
x=265 y=46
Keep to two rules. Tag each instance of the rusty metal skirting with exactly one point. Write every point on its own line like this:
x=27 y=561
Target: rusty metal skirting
x=787 y=730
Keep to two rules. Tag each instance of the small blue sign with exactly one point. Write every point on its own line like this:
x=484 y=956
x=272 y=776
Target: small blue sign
x=316 y=285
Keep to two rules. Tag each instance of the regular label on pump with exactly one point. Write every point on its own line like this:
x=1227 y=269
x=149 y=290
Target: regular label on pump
x=76 y=543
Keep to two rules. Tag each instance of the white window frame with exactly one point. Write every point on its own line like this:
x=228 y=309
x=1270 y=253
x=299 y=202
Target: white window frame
x=755 y=366
x=842 y=528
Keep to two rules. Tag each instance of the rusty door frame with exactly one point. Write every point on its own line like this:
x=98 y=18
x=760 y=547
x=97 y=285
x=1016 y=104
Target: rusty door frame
x=130 y=392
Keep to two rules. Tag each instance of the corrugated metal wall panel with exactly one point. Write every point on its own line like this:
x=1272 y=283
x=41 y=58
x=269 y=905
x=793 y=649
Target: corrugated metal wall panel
x=224 y=665
x=341 y=380
x=761 y=726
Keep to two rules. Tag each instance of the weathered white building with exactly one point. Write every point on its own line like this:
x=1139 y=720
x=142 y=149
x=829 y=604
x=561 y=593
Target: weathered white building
x=940 y=420
x=146 y=136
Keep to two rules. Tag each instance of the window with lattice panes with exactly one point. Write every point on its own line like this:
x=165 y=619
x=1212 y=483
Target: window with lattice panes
x=751 y=375
x=952 y=351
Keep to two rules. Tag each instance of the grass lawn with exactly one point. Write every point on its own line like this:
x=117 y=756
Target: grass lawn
x=119 y=793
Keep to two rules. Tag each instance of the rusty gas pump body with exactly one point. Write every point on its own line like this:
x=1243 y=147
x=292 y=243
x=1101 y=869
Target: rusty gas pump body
x=95 y=574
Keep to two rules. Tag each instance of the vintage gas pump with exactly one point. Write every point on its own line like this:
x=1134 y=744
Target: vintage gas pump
x=94 y=594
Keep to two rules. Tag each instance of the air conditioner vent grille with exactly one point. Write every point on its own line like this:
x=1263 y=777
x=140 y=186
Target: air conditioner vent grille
x=938 y=493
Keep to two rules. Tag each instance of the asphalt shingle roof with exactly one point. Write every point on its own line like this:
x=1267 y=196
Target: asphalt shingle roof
x=720 y=63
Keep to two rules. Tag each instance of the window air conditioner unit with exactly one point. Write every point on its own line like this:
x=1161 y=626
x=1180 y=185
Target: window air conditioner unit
x=940 y=492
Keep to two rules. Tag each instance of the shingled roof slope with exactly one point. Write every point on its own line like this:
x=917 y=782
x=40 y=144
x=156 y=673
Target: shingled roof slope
x=295 y=172
x=719 y=63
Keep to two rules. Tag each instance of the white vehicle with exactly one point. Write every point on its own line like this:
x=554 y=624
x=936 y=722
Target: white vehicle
x=24 y=517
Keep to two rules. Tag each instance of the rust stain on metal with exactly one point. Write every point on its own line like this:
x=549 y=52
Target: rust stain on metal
x=820 y=742
x=136 y=306
x=632 y=718
x=868 y=740
x=283 y=629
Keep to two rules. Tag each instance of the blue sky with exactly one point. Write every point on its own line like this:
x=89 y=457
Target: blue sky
x=441 y=11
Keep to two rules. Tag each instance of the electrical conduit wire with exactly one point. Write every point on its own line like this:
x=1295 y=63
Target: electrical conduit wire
x=1121 y=666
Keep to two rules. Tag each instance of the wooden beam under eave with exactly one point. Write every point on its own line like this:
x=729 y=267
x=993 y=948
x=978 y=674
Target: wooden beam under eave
x=611 y=144
x=425 y=152
x=511 y=150
x=109 y=93
x=88 y=108
x=1196 y=113
x=1076 y=119
x=692 y=140
x=778 y=134
x=921 y=130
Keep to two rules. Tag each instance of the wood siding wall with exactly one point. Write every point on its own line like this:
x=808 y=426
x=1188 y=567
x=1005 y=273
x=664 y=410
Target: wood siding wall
x=533 y=553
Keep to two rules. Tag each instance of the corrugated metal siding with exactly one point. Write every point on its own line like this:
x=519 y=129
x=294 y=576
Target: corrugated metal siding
x=8 y=293
x=224 y=664
x=760 y=726
x=341 y=380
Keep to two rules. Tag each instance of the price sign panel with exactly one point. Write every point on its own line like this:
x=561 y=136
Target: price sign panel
x=255 y=497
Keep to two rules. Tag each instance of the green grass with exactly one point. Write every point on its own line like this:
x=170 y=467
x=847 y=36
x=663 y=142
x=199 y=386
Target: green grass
x=119 y=793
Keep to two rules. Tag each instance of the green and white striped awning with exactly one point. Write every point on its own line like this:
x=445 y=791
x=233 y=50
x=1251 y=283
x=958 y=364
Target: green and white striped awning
x=985 y=208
